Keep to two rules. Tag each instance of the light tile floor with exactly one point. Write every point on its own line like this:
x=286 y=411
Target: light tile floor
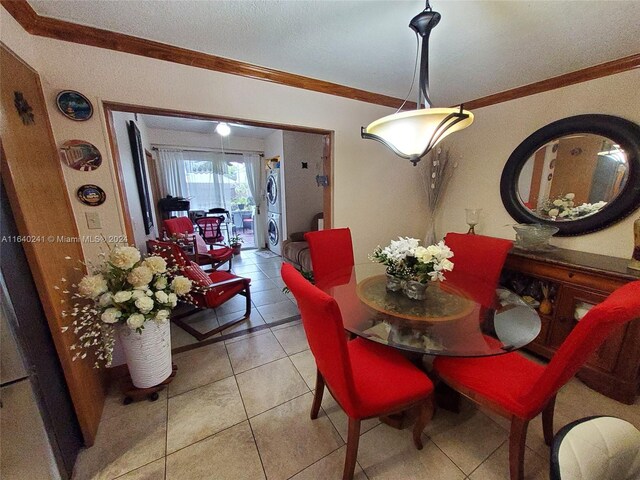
x=239 y=409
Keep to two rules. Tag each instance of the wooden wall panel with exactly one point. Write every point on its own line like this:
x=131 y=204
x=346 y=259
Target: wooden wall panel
x=31 y=171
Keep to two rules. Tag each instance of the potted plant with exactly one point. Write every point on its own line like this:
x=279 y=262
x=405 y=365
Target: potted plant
x=235 y=242
x=130 y=296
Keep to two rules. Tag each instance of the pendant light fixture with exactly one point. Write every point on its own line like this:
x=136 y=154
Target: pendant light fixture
x=413 y=133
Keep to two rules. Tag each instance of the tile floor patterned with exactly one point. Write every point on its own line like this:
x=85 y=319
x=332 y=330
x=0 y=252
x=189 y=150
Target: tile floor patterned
x=239 y=409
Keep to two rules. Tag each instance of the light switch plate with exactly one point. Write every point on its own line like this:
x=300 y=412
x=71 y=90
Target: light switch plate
x=93 y=220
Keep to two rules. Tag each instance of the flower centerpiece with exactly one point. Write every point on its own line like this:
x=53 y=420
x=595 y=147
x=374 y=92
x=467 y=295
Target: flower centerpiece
x=563 y=207
x=410 y=266
x=133 y=297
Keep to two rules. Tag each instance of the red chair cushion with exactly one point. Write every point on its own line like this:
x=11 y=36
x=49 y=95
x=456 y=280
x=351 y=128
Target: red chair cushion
x=331 y=251
x=216 y=296
x=179 y=225
x=220 y=254
x=478 y=261
x=197 y=275
x=503 y=379
x=384 y=379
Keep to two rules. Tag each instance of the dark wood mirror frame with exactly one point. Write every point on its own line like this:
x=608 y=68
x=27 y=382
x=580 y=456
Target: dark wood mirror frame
x=623 y=132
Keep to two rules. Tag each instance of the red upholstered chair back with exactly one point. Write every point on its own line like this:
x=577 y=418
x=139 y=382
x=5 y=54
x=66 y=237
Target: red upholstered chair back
x=210 y=229
x=177 y=226
x=477 y=263
x=323 y=326
x=331 y=251
x=171 y=252
x=620 y=307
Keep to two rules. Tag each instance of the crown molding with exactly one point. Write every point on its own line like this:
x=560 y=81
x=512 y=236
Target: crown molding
x=590 y=73
x=96 y=37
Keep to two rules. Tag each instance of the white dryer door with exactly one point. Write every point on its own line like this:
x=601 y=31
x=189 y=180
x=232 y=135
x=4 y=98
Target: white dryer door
x=273 y=232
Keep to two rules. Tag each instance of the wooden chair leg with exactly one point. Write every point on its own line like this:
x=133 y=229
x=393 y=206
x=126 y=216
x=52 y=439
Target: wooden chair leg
x=547 y=421
x=353 y=438
x=317 y=398
x=426 y=412
x=517 y=439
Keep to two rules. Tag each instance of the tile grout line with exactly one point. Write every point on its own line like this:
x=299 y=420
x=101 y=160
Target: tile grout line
x=489 y=456
x=255 y=442
x=451 y=459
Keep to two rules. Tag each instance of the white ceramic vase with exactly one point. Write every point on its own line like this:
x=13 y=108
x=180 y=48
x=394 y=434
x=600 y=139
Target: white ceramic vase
x=148 y=353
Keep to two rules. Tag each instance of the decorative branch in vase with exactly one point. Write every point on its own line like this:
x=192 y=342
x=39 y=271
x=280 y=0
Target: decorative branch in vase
x=436 y=174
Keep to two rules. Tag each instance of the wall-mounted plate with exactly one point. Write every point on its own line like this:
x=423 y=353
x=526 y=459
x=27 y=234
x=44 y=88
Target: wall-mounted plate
x=91 y=195
x=74 y=105
x=80 y=155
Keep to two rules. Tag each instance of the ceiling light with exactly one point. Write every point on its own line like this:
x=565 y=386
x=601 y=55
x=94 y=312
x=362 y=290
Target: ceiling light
x=223 y=129
x=413 y=133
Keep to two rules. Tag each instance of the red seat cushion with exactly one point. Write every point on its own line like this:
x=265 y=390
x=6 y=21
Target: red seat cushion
x=220 y=253
x=503 y=379
x=383 y=379
x=215 y=296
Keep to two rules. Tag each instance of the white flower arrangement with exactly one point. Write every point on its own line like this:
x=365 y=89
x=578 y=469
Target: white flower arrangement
x=564 y=208
x=124 y=289
x=405 y=258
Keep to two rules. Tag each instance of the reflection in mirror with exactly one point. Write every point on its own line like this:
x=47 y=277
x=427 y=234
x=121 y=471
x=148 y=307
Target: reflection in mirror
x=573 y=177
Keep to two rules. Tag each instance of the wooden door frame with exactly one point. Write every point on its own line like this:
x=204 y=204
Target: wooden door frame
x=155 y=186
x=111 y=107
x=87 y=386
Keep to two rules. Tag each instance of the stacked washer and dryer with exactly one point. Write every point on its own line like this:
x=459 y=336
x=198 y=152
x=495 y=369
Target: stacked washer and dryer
x=274 y=211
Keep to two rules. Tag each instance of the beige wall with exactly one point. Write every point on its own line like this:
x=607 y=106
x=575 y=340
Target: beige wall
x=303 y=197
x=499 y=129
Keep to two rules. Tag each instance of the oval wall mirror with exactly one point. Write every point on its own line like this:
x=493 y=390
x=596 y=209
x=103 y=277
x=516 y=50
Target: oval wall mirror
x=580 y=174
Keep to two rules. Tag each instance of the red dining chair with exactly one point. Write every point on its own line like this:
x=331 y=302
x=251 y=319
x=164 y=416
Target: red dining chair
x=215 y=288
x=331 y=251
x=204 y=255
x=478 y=261
x=519 y=389
x=365 y=378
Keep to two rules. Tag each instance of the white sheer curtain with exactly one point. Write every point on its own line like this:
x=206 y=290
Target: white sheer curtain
x=173 y=180
x=256 y=181
x=206 y=182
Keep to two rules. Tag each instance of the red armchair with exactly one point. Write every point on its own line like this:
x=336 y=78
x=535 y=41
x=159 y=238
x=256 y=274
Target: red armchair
x=215 y=256
x=365 y=378
x=478 y=261
x=331 y=252
x=520 y=389
x=216 y=287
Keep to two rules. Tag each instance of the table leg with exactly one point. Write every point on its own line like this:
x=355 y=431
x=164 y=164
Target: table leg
x=447 y=398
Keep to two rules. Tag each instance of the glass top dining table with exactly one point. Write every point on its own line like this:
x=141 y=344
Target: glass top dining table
x=455 y=318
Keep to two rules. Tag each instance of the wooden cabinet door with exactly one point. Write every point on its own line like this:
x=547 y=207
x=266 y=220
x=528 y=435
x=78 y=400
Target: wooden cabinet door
x=31 y=172
x=572 y=300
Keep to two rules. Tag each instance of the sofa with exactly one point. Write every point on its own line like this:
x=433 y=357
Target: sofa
x=295 y=250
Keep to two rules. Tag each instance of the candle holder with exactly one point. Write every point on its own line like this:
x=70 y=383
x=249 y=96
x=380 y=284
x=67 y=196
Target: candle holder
x=473 y=217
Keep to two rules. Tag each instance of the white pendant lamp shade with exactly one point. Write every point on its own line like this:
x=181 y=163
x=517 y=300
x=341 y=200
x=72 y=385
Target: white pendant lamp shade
x=411 y=134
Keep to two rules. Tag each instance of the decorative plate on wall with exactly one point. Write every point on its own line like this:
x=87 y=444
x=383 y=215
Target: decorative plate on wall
x=91 y=195
x=80 y=155
x=74 y=105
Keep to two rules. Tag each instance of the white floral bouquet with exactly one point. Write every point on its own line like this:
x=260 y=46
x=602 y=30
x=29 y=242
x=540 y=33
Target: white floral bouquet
x=564 y=208
x=124 y=289
x=405 y=258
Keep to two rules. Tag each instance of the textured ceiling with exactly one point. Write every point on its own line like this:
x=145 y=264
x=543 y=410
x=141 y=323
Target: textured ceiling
x=479 y=47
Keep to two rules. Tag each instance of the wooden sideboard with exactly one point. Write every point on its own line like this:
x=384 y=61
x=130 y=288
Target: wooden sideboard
x=578 y=280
